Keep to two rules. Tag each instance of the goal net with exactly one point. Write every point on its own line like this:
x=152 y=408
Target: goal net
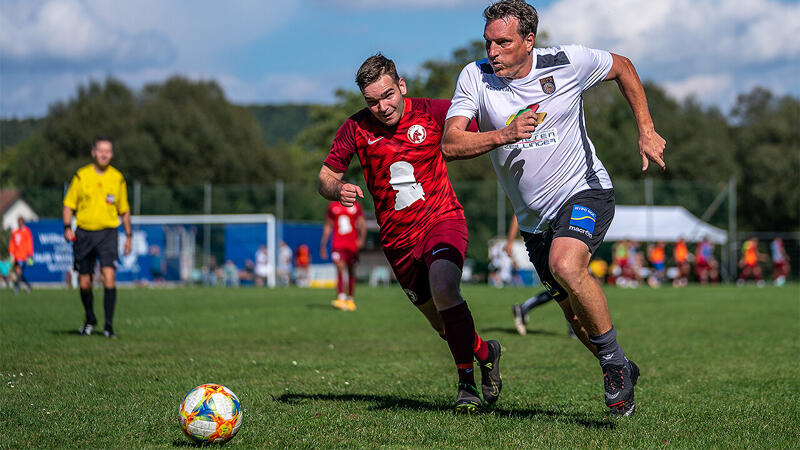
x=210 y=249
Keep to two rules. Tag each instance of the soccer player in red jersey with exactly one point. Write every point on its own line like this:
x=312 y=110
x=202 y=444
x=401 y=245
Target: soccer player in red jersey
x=422 y=224
x=349 y=229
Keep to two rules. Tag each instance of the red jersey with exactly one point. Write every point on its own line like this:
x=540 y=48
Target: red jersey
x=404 y=168
x=20 y=247
x=345 y=233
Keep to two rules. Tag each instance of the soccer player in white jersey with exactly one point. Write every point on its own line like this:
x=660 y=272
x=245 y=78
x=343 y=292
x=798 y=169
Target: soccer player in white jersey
x=529 y=108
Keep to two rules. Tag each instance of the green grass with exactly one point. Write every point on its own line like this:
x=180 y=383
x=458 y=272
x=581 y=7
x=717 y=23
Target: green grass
x=719 y=369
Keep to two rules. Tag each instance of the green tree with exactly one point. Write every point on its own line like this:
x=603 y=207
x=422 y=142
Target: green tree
x=768 y=139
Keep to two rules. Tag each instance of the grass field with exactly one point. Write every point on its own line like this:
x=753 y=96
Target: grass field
x=720 y=368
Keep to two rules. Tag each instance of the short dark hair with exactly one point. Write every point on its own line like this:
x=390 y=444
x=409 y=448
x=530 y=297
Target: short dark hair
x=101 y=138
x=525 y=14
x=373 y=68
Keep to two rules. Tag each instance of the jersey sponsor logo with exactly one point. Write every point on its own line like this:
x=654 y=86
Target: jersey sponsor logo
x=582 y=220
x=538 y=139
x=416 y=134
x=403 y=181
x=372 y=141
x=548 y=85
x=110 y=199
x=539 y=115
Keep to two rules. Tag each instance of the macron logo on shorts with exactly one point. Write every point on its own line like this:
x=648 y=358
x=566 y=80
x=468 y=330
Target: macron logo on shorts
x=582 y=220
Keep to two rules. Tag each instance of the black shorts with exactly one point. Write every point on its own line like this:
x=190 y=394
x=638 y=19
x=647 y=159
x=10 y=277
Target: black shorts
x=89 y=246
x=586 y=216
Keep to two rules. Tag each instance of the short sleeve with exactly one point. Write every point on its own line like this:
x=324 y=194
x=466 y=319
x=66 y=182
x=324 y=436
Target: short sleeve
x=71 y=199
x=122 y=204
x=343 y=148
x=465 y=98
x=591 y=66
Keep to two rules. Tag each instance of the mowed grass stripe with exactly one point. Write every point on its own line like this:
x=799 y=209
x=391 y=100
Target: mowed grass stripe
x=719 y=369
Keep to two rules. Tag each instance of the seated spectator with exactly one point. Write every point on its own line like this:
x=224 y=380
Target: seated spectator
x=302 y=266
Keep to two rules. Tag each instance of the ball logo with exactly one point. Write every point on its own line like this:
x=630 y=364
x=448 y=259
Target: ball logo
x=416 y=134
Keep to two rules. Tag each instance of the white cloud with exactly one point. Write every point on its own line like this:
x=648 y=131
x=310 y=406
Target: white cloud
x=701 y=87
x=403 y=4
x=62 y=33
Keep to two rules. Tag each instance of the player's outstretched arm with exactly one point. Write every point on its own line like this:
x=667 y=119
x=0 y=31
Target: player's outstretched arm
x=459 y=143
x=651 y=145
x=331 y=186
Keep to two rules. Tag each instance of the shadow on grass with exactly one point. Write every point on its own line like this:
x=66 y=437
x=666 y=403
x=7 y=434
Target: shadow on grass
x=71 y=332
x=381 y=402
x=512 y=330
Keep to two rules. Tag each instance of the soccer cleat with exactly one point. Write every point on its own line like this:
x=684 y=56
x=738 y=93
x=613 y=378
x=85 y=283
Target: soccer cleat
x=468 y=400
x=519 y=319
x=86 y=329
x=491 y=382
x=618 y=382
x=339 y=303
x=350 y=305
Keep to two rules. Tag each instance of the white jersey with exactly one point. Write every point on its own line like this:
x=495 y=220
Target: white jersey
x=541 y=173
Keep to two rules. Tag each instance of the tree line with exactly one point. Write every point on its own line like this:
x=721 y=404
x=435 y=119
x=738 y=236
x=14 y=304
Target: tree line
x=184 y=132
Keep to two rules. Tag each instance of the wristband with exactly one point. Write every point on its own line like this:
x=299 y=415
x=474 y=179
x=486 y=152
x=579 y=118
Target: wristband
x=66 y=225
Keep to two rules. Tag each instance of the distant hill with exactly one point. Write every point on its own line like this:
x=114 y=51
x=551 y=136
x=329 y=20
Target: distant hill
x=281 y=122
x=14 y=131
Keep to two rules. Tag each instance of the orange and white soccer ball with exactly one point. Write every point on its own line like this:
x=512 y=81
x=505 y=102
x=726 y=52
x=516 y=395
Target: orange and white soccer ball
x=210 y=413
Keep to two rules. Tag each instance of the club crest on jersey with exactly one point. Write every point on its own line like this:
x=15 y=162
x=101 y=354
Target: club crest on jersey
x=548 y=85
x=416 y=134
x=110 y=199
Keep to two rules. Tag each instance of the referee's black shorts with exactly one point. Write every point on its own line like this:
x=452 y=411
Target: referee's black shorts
x=89 y=246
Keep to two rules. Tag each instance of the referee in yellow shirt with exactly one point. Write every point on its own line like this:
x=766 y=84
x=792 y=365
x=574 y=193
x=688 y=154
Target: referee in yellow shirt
x=98 y=197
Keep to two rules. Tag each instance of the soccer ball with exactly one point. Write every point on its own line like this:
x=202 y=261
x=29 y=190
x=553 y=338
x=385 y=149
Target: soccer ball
x=210 y=413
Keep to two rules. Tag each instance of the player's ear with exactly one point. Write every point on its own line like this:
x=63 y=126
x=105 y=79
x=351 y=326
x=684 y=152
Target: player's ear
x=402 y=84
x=530 y=42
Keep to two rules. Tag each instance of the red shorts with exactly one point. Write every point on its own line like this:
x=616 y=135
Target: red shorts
x=447 y=239
x=346 y=255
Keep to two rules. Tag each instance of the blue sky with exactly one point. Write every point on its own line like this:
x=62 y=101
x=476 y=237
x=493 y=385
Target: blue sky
x=272 y=51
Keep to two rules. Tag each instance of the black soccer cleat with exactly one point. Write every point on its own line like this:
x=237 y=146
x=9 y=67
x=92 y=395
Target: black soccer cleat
x=491 y=382
x=468 y=400
x=618 y=382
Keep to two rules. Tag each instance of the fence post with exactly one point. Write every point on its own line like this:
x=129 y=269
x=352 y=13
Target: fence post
x=137 y=198
x=207 y=226
x=279 y=208
x=733 y=241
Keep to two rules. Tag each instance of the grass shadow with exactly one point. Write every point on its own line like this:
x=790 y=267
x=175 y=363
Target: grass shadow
x=382 y=402
x=512 y=330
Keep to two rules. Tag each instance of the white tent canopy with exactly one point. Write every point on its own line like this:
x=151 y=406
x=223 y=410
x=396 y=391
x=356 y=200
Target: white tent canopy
x=661 y=223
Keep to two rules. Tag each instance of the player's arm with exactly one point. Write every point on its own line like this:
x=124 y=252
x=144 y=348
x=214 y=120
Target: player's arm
x=460 y=143
x=651 y=145
x=126 y=224
x=331 y=186
x=361 y=228
x=513 y=229
x=66 y=217
x=326 y=233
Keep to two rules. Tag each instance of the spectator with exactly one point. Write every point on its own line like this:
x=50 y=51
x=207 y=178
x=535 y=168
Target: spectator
x=158 y=265
x=749 y=263
x=284 y=264
x=247 y=275
x=500 y=266
x=263 y=266
x=705 y=265
x=20 y=247
x=230 y=274
x=780 y=261
x=681 y=255
x=598 y=267
x=5 y=271
x=657 y=256
x=302 y=266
